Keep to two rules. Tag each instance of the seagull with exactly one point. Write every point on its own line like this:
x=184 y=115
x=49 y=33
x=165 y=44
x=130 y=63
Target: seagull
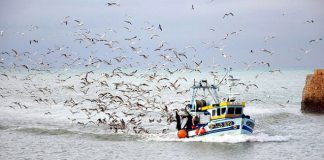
x=5 y=75
x=112 y=4
x=120 y=58
x=310 y=21
x=161 y=45
x=79 y=22
x=258 y=100
x=177 y=56
x=137 y=50
x=65 y=21
x=144 y=56
x=265 y=63
x=129 y=39
x=283 y=87
x=276 y=70
x=21 y=33
x=248 y=66
x=253 y=85
x=164 y=78
x=20 y=105
x=128 y=22
x=33 y=41
x=155 y=35
x=267 y=51
x=228 y=14
x=1 y=33
x=315 y=40
x=47 y=113
x=166 y=57
x=171 y=72
x=268 y=38
x=160 y=27
x=306 y=51
x=16 y=53
x=128 y=29
x=226 y=56
x=198 y=63
x=191 y=48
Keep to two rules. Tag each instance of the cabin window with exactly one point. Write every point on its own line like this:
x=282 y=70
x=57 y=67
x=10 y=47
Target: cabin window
x=238 y=110
x=230 y=111
x=223 y=110
x=213 y=113
x=218 y=111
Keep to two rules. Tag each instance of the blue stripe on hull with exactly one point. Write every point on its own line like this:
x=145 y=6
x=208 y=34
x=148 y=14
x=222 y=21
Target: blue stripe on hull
x=245 y=128
x=222 y=129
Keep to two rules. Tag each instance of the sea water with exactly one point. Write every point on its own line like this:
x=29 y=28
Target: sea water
x=45 y=130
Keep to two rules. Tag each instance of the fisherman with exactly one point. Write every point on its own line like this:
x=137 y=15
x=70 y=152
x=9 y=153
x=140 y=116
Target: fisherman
x=188 y=125
x=184 y=121
x=195 y=120
x=178 y=121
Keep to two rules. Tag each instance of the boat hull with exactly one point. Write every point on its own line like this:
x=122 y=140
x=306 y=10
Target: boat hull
x=225 y=126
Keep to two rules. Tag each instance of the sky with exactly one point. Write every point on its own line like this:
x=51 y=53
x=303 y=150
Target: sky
x=277 y=32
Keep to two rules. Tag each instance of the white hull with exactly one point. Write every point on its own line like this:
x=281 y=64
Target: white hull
x=225 y=126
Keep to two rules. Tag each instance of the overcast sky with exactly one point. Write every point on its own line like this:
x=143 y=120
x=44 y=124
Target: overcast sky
x=292 y=24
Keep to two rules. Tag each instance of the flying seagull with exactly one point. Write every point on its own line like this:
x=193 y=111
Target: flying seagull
x=228 y=14
x=128 y=22
x=315 y=40
x=112 y=4
x=306 y=51
x=310 y=21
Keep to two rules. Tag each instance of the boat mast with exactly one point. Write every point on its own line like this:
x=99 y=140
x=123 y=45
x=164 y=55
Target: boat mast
x=204 y=86
x=231 y=83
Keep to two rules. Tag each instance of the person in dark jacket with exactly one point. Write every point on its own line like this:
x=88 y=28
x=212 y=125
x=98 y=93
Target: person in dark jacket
x=178 y=121
x=188 y=125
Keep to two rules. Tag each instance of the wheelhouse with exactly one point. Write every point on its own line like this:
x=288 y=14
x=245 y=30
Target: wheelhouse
x=227 y=110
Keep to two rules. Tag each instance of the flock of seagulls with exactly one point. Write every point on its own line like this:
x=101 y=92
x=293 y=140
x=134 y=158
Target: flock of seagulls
x=124 y=97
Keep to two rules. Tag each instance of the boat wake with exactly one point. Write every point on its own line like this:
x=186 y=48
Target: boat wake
x=259 y=137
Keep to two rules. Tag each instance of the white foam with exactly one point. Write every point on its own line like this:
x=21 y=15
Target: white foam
x=259 y=137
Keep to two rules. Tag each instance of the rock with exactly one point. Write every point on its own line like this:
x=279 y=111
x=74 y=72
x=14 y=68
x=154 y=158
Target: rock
x=313 y=94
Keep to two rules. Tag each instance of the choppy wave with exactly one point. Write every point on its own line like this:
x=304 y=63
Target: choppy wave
x=3 y=127
x=260 y=137
x=65 y=132
x=45 y=131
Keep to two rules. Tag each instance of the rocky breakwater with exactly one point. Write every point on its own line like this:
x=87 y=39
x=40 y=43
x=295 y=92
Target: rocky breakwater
x=313 y=94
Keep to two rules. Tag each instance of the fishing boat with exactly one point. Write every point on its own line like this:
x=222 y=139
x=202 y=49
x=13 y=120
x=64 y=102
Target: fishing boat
x=210 y=116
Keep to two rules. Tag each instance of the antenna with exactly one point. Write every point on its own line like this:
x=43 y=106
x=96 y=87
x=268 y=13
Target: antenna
x=231 y=84
x=227 y=72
